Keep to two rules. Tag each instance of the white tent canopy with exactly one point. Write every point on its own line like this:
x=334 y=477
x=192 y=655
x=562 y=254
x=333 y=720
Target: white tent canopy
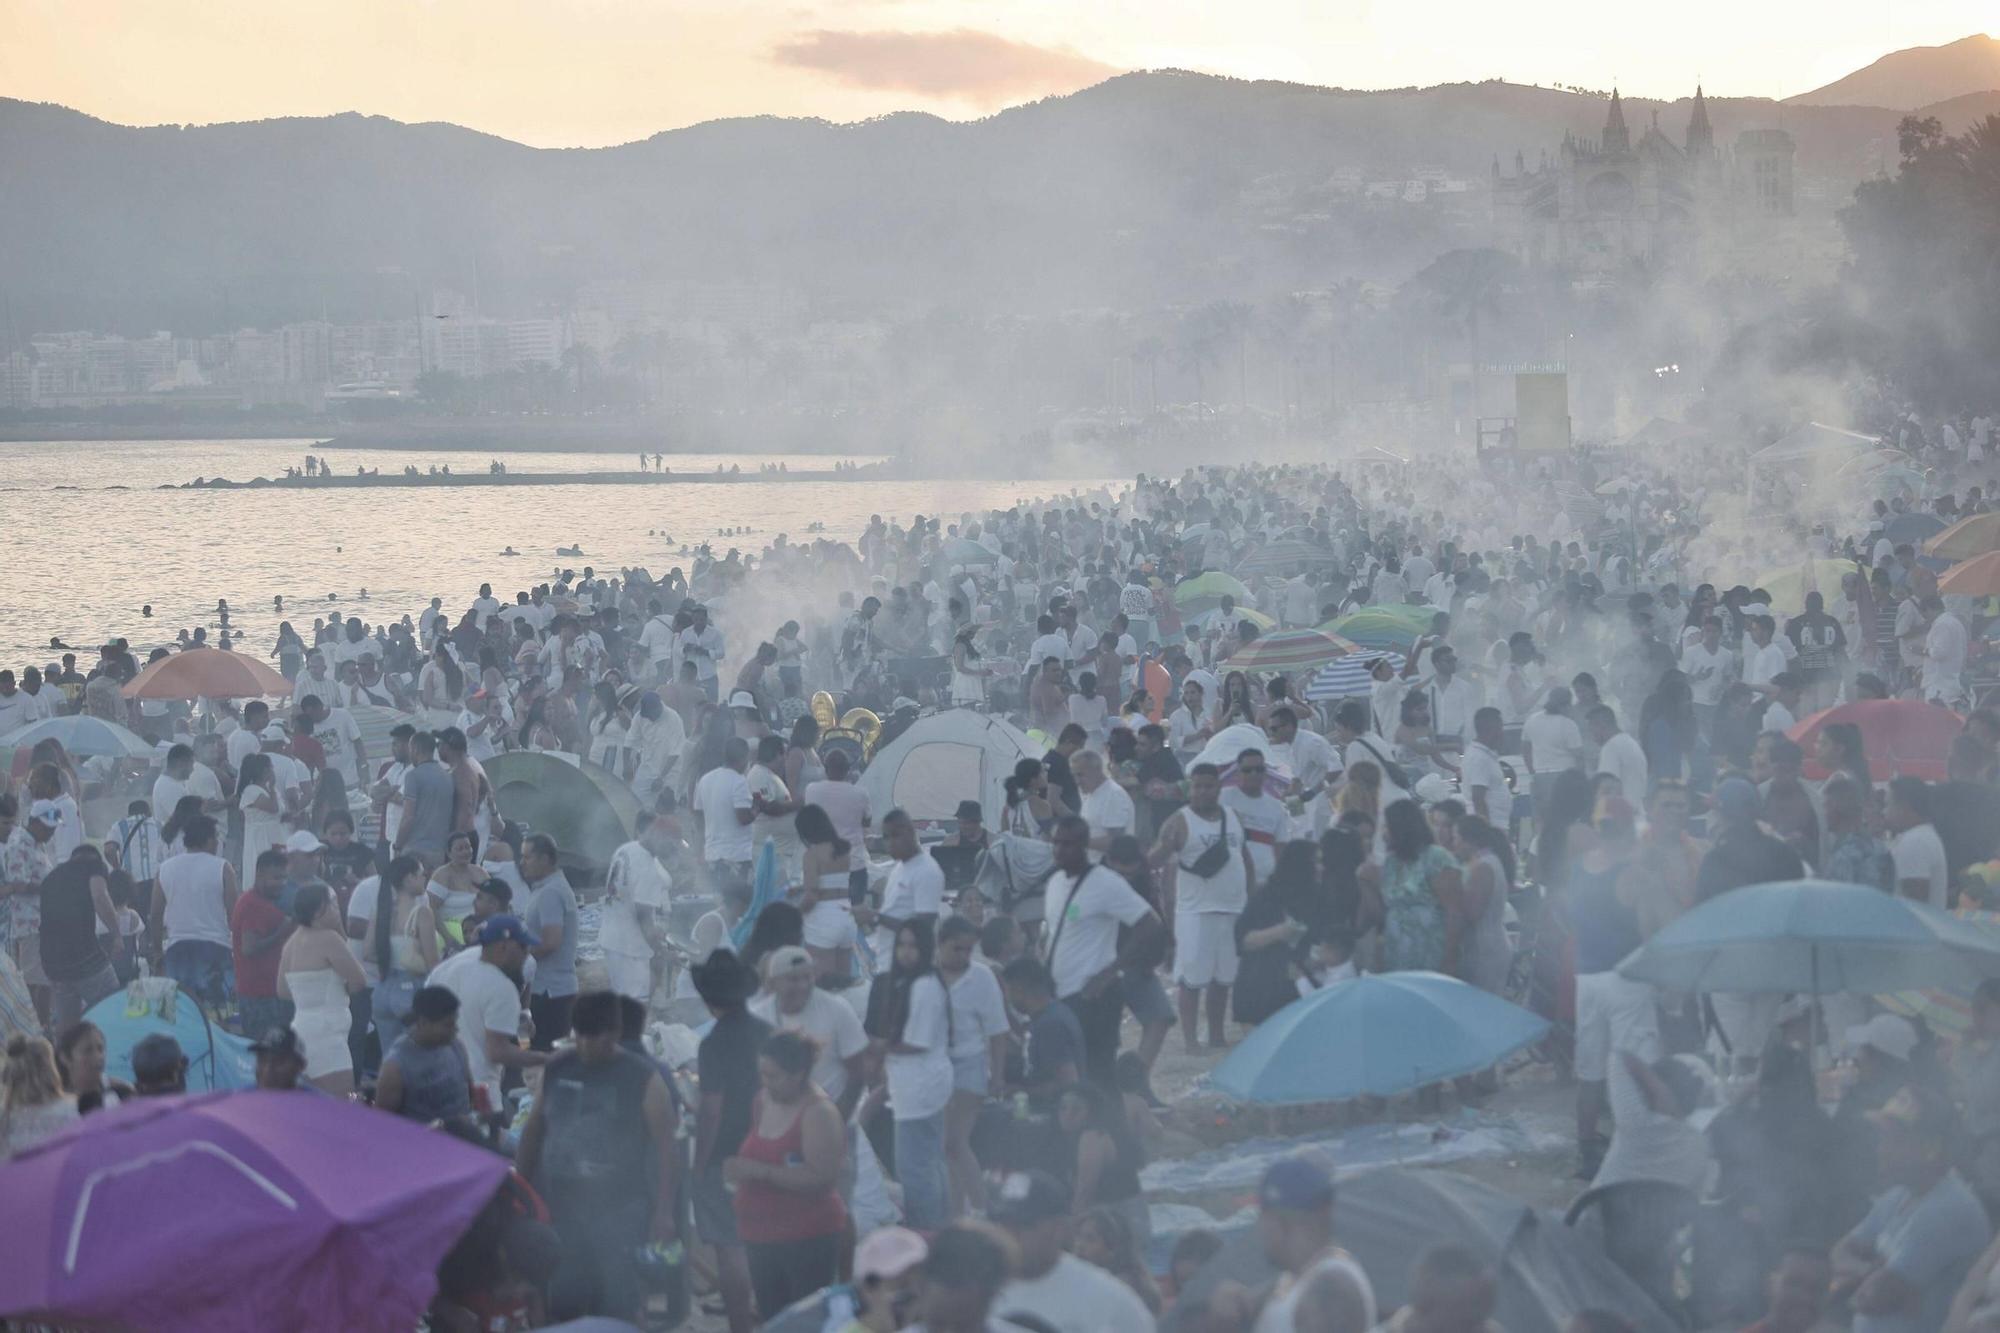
x=943 y=759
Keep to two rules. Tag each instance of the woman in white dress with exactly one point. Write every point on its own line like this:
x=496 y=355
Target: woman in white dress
x=968 y=672
x=257 y=798
x=317 y=972
x=403 y=942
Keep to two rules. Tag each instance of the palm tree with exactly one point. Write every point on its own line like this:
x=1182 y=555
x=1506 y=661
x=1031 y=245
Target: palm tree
x=1147 y=352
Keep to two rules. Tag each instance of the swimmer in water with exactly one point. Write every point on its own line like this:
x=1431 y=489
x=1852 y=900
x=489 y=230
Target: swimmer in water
x=147 y=610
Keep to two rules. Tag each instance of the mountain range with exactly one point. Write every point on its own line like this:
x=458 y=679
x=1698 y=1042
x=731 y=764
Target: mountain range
x=1149 y=188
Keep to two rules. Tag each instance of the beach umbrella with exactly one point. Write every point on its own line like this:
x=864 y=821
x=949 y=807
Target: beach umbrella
x=1789 y=584
x=207 y=673
x=1383 y=626
x=1966 y=538
x=1913 y=527
x=1349 y=678
x=82 y=736
x=965 y=551
x=1815 y=937
x=1279 y=556
x=1225 y=746
x=1199 y=622
x=1375 y=1036
x=588 y=810
x=1206 y=590
x=1289 y=650
x=1903 y=737
x=1977 y=577
x=237 y=1212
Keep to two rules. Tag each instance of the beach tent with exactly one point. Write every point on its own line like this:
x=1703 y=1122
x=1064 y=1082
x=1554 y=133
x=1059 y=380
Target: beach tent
x=589 y=811
x=1387 y=1217
x=948 y=757
x=1814 y=450
x=218 y=1060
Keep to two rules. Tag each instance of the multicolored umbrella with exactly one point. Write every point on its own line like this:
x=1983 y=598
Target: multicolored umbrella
x=1206 y=590
x=82 y=736
x=1977 y=577
x=1375 y=1036
x=207 y=673
x=1902 y=737
x=237 y=1212
x=1290 y=650
x=1966 y=538
x=1349 y=678
x=1383 y=626
x=1280 y=556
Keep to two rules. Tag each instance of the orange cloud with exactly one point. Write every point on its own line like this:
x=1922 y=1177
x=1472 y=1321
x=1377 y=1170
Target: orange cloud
x=963 y=64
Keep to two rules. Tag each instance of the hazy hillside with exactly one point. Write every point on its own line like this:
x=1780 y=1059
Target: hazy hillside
x=1915 y=77
x=1148 y=188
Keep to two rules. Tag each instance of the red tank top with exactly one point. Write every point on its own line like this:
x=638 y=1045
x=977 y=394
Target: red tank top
x=766 y=1214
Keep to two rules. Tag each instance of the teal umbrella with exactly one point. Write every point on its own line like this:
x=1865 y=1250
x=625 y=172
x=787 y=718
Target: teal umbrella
x=1815 y=937
x=589 y=811
x=82 y=736
x=1375 y=1036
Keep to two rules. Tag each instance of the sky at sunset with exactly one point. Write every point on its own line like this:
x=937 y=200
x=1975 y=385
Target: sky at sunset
x=590 y=72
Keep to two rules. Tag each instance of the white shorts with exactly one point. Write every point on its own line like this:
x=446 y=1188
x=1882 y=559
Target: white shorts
x=830 y=925
x=1613 y=1014
x=630 y=976
x=1204 y=948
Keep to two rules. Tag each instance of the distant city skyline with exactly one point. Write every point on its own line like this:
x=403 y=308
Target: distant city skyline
x=563 y=73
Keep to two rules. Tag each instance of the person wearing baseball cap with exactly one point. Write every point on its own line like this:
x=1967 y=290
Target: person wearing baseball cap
x=887 y=1264
x=1902 y=1266
x=487 y=982
x=1295 y=1229
x=1049 y=1283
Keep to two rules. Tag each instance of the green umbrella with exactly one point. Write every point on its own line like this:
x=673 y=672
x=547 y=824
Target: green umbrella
x=589 y=811
x=1206 y=590
x=1385 y=627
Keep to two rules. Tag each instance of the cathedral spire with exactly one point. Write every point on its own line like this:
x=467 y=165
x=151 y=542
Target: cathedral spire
x=1700 y=138
x=1617 y=139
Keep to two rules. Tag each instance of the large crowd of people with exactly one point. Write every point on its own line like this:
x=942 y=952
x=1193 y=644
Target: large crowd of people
x=1582 y=726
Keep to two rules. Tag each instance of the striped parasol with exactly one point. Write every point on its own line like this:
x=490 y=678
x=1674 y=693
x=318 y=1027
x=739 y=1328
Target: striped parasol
x=1206 y=590
x=1279 y=556
x=1290 y=650
x=1348 y=678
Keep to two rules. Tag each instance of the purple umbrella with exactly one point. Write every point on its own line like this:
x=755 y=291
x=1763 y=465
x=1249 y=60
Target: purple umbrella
x=237 y=1211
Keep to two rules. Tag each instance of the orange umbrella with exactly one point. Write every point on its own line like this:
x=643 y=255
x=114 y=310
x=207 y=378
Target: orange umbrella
x=1977 y=577
x=1966 y=538
x=207 y=673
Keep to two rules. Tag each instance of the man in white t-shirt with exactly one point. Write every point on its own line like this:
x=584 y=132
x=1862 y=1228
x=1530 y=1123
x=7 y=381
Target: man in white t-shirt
x=1086 y=904
x=317 y=678
x=184 y=777
x=1482 y=779
x=1107 y=807
x=725 y=809
x=846 y=805
x=1055 y=1287
x=486 y=981
x=634 y=921
x=1295 y=1231
x=1922 y=870
x=915 y=891
x=339 y=735
x=1763 y=658
x=701 y=643
x=1619 y=754
x=1263 y=816
x=792 y=1002
x=247 y=739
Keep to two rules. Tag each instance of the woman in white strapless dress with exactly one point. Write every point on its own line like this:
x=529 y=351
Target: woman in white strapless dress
x=822 y=893
x=317 y=972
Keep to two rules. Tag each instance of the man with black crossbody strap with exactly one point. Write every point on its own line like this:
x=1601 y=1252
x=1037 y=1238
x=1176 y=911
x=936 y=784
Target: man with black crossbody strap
x=1090 y=903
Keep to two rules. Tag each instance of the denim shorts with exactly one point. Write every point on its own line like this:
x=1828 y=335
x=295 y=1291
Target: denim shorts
x=1146 y=998
x=970 y=1073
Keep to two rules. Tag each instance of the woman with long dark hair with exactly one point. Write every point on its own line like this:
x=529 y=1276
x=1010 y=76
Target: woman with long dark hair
x=1840 y=748
x=1421 y=891
x=1272 y=933
x=823 y=893
x=909 y=1020
x=403 y=944
x=1237 y=705
x=1489 y=877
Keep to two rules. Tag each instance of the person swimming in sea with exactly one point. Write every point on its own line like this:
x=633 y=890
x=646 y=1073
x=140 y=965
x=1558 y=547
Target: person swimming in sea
x=510 y=551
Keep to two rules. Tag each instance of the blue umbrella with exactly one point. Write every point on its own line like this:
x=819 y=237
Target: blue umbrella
x=1814 y=937
x=83 y=736
x=1348 y=678
x=1375 y=1036
x=965 y=551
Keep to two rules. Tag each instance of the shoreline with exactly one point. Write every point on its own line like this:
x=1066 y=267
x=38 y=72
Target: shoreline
x=667 y=478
